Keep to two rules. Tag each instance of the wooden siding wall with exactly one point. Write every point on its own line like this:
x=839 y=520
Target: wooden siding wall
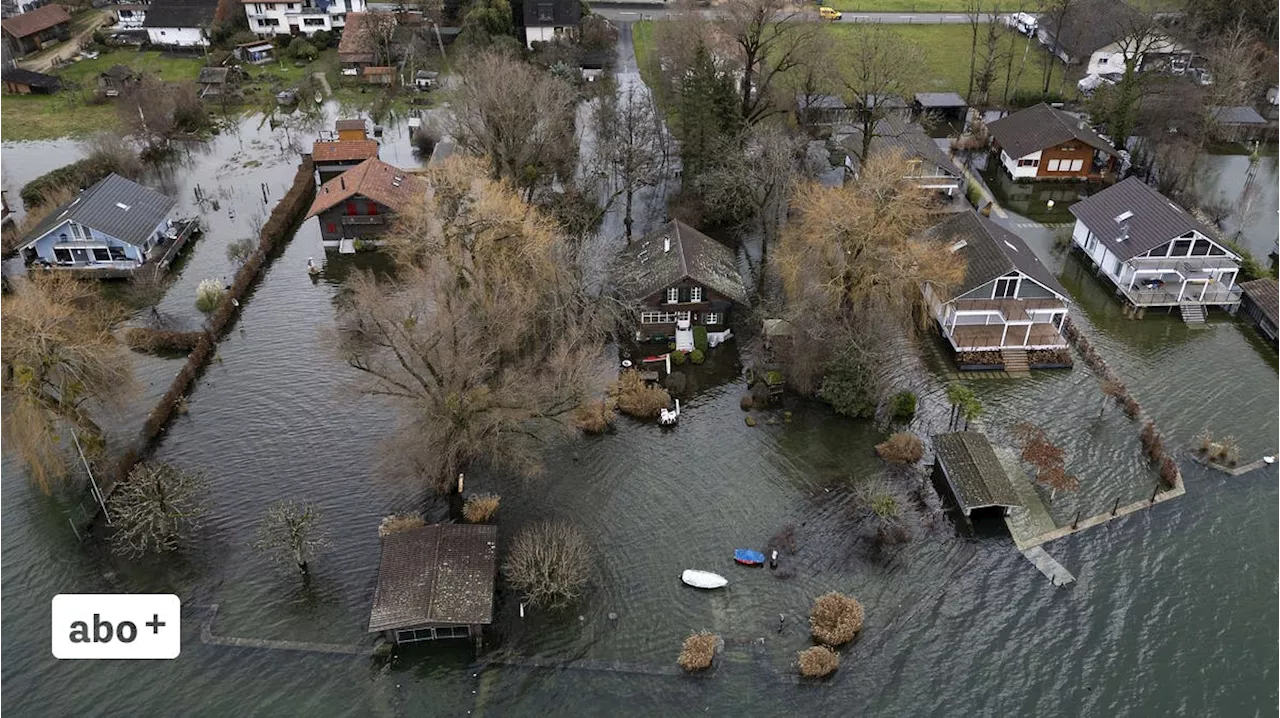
x=1069 y=152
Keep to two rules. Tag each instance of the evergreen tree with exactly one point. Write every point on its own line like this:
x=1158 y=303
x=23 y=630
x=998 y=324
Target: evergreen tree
x=708 y=113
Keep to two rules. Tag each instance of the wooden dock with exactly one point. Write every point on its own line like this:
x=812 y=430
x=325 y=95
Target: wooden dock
x=1049 y=566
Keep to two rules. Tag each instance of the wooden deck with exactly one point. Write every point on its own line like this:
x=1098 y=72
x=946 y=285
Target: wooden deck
x=172 y=248
x=987 y=337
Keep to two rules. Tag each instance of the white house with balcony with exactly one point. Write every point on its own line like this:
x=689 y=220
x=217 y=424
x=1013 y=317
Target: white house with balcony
x=301 y=17
x=1008 y=302
x=1154 y=252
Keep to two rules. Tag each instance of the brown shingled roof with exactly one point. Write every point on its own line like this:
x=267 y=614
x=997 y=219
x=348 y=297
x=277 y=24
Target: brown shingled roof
x=29 y=23
x=355 y=124
x=387 y=185
x=971 y=466
x=436 y=574
x=356 y=45
x=1264 y=293
x=343 y=150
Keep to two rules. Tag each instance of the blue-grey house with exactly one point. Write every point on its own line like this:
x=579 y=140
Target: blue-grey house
x=115 y=225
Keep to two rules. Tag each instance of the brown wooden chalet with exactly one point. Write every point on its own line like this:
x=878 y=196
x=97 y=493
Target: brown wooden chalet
x=435 y=582
x=679 y=274
x=1043 y=142
x=361 y=202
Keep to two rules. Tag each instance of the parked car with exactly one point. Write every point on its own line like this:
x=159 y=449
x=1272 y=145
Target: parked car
x=828 y=13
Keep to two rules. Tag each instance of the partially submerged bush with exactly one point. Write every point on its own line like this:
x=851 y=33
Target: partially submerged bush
x=595 y=416
x=835 y=618
x=678 y=357
x=208 y=295
x=480 y=507
x=698 y=651
x=1203 y=441
x=635 y=398
x=395 y=523
x=146 y=339
x=817 y=662
x=904 y=405
x=901 y=448
x=700 y=341
x=697 y=357
x=549 y=563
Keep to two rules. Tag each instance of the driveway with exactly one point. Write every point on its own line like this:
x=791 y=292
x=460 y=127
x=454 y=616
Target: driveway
x=81 y=27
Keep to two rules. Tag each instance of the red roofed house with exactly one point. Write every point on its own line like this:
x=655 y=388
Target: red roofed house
x=31 y=31
x=361 y=202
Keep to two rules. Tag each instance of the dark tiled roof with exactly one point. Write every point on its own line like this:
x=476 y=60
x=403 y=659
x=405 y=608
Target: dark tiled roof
x=436 y=574
x=387 y=185
x=99 y=207
x=212 y=75
x=356 y=46
x=991 y=251
x=20 y=76
x=645 y=268
x=973 y=469
x=940 y=99
x=1088 y=25
x=563 y=12
x=1153 y=218
x=29 y=23
x=180 y=13
x=1036 y=128
x=1238 y=115
x=356 y=124
x=820 y=102
x=905 y=138
x=343 y=150
x=1263 y=292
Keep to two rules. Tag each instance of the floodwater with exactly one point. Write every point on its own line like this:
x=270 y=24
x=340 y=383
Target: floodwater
x=1174 y=610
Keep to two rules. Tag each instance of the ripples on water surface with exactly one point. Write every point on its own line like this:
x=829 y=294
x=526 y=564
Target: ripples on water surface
x=1174 y=612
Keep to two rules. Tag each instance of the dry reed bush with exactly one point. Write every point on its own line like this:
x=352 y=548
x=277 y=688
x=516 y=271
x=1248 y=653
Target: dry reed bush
x=1132 y=408
x=698 y=651
x=146 y=339
x=1169 y=473
x=817 y=662
x=835 y=618
x=635 y=398
x=901 y=448
x=395 y=523
x=595 y=416
x=549 y=563
x=480 y=507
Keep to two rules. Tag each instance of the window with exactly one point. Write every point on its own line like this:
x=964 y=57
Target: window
x=313 y=21
x=695 y=294
x=1102 y=60
x=1181 y=248
x=351 y=209
x=1200 y=248
x=330 y=228
x=673 y=295
x=1075 y=165
x=79 y=232
x=1006 y=288
x=100 y=254
x=117 y=254
x=269 y=22
x=62 y=255
x=1028 y=163
x=659 y=317
x=546 y=12
x=1053 y=165
x=711 y=318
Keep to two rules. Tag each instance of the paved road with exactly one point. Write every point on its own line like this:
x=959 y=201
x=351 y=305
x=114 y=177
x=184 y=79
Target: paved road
x=630 y=12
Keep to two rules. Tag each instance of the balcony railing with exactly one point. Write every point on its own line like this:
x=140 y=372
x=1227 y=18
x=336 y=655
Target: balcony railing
x=1168 y=295
x=365 y=220
x=1184 y=265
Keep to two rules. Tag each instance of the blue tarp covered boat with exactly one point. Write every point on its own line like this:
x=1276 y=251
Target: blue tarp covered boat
x=747 y=557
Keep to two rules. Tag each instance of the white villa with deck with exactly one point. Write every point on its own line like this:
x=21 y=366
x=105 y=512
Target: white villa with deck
x=302 y=17
x=1154 y=252
x=1008 y=302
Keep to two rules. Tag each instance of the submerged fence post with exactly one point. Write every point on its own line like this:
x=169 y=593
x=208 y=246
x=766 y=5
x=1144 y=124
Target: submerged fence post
x=1155 y=491
x=1075 y=523
x=1116 y=507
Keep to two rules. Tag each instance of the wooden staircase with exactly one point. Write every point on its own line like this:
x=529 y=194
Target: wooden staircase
x=1015 y=361
x=1192 y=313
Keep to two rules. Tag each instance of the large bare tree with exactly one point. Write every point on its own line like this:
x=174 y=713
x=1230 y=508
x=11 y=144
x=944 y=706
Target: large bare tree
x=485 y=339
x=155 y=508
x=518 y=117
x=377 y=33
x=629 y=141
x=817 y=71
x=59 y=360
x=770 y=36
x=879 y=64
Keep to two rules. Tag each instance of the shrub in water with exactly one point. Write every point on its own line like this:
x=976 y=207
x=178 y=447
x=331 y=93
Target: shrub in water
x=698 y=651
x=901 y=448
x=396 y=523
x=696 y=356
x=208 y=295
x=904 y=405
x=595 y=416
x=480 y=507
x=835 y=618
x=817 y=662
x=549 y=563
x=635 y=398
x=678 y=358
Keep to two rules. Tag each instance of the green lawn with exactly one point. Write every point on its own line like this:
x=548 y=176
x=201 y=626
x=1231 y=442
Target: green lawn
x=67 y=114
x=897 y=5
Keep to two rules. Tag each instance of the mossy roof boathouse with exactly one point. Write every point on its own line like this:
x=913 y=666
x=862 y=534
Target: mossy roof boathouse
x=435 y=582
x=971 y=469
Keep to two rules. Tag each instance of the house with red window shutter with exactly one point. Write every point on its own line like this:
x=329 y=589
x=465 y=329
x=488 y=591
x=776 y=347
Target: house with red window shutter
x=361 y=203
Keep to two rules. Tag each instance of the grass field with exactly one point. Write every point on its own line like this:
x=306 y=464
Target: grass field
x=66 y=113
x=944 y=56
x=897 y=5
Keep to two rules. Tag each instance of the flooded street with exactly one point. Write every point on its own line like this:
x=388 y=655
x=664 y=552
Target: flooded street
x=1174 y=611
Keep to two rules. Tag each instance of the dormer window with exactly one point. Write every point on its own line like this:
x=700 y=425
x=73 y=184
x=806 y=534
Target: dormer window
x=695 y=294
x=673 y=295
x=546 y=12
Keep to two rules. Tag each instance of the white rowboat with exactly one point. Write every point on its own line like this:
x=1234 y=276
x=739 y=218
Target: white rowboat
x=703 y=579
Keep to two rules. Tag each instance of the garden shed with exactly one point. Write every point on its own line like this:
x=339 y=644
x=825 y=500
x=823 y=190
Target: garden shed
x=973 y=473
x=435 y=582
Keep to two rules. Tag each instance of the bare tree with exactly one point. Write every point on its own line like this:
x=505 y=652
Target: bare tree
x=629 y=139
x=520 y=119
x=59 y=359
x=377 y=33
x=549 y=563
x=991 y=53
x=1057 y=12
x=1048 y=458
x=1236 y=59
x=291 y=533
x=1140 y=37
x=486 y=338
x=973 y=12
x=879 y=65
x=155 y=508
x=817 y=71
x=769 y=35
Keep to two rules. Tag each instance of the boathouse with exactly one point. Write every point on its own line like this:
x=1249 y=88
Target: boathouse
x=435 y=582
x=1262 y=304
x=969 y=467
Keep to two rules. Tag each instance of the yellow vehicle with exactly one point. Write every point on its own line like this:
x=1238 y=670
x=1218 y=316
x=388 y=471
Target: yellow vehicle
x=827 y=13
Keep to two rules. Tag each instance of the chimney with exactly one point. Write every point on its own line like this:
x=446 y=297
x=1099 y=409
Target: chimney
x=342 y=181
x=1082 y=124
x=666 y=245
